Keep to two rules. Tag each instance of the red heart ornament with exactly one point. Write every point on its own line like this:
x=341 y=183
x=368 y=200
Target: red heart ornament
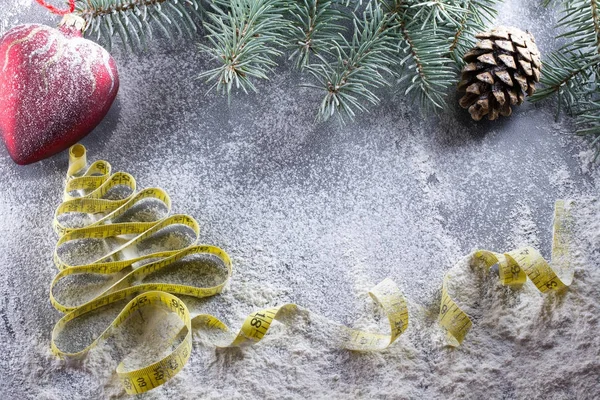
x=55 y=87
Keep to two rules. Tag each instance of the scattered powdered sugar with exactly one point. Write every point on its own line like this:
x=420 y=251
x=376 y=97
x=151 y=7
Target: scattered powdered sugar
x=316 y=214
x=524 y=230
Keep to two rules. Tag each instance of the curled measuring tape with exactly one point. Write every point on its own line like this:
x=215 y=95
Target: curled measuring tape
x=514 y=268
x=99 y=209
x=127 y=263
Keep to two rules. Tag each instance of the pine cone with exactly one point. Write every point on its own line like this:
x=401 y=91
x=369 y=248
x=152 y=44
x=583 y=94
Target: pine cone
x=504 y=65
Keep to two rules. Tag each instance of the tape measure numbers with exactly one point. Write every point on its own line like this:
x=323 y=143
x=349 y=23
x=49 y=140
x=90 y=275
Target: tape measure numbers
x=85 y=192
x=126 y=268
x=514 y=268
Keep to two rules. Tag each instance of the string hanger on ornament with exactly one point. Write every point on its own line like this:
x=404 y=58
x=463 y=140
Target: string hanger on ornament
x=71 y=24
x=57 y=11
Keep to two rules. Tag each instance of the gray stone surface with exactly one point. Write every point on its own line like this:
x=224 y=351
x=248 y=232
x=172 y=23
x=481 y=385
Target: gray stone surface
x=319 y=211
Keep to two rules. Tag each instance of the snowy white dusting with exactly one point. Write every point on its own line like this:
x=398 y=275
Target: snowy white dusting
x=316 y=214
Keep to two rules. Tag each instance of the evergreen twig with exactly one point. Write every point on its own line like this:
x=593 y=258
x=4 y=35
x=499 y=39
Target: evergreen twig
x=132 y=20
x=245 y=38
x=315 y=25
x=476 y=17
x=572 y=72
x=359 y=67
x=408 y=44
x=350 y=47
x=425 y=69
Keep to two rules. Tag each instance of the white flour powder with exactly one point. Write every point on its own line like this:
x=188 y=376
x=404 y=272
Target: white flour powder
x=316 y=215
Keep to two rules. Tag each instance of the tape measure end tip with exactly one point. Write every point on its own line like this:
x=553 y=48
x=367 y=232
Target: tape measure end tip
x=77 y=150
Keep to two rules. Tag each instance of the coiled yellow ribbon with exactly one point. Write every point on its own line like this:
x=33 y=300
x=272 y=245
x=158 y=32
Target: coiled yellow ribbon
x=94 y=192
x=514 y=268
x=91 y=192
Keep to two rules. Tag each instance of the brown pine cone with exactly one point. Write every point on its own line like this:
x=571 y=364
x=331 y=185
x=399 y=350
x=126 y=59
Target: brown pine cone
x=504 y=65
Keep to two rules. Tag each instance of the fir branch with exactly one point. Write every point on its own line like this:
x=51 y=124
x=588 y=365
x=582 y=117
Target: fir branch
x=588 y=124
x=571 y=66
x=588 y=107
x=424 y=31
x=403 y=42
x=315 y=24
x=359 y=69
x=476 y=17
x=132 y=20
x=565 y=74
x=425 y=68
x=245 y=39
x=583 y=32
x=435 y=14
x=572 y=72
x=411 y=38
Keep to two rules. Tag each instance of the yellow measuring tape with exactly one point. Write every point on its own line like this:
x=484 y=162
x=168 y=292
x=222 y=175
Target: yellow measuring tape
x=92 y=194
x=105 y=201
x=514 y=268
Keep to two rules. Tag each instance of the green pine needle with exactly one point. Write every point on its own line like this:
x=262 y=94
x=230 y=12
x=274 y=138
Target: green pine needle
x=245 y=38
x=476 y=17
x=572 y=72
x=425 y=68
x=359 y=67
x=133 y=20
x=350 y=48
x=315 y=25
x=408 y=44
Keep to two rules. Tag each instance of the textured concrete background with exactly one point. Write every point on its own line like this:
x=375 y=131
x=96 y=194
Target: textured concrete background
x=325 y=210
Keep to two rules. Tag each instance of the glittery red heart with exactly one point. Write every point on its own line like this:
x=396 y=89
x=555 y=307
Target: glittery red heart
x=55 y=87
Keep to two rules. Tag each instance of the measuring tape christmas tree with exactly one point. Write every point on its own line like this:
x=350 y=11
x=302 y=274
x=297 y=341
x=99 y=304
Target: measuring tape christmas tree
x=91 y=191
x=107 y=201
